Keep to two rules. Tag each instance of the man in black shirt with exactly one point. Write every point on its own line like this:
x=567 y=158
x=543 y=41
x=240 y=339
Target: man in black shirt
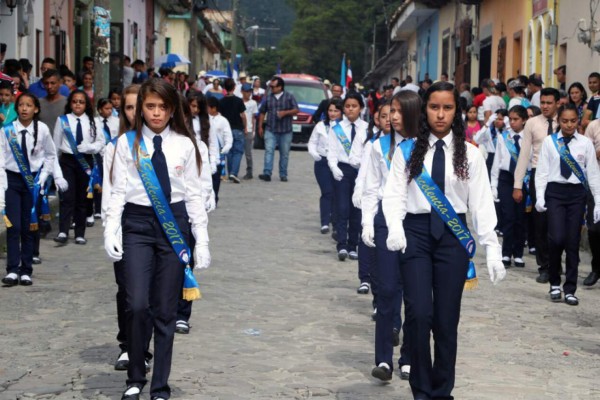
x=233 y=109
x=336 y=91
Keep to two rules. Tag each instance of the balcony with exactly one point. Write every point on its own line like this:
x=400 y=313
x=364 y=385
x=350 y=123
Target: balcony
x=410 y=15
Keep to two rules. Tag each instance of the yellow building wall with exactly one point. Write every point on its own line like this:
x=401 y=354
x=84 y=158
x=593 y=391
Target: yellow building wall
x=540 y=56
x=179 y=32
x=447 y=18
x=508 y=18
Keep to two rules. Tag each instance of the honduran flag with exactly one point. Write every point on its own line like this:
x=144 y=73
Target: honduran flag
x=349 y=76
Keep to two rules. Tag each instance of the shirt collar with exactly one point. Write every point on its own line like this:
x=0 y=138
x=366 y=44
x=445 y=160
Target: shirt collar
x=150 y=134
x=19 y=126
x=82 y=117
x=560 y=135
x=447 y=139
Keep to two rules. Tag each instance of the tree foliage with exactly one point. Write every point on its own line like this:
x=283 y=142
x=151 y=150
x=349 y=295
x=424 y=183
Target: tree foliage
x=324 y=30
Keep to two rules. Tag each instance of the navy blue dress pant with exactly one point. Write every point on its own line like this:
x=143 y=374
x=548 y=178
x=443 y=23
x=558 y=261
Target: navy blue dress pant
x=349 y=217
x=74 y=201
x=388 y=280
x=434 y=274
x=540 y=221
x=154 y=282
x=19 y=237
x=513 y=217
x=566 y=207
x=216 y=181
x=326 y=201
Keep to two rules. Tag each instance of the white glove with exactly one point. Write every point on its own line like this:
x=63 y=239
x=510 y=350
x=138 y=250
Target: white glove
x=2 y=204
x=85 y=148
x=61 y=184
x=42 y=180
x=540 y=206
x=357 y=198
x=211 y=203
x=337 y=174
x=596 y=212
x=113 y=244
x=491 y=120
x=506 y=123
x=495 y=194
x=315 y=156
x=202 y=256
x=495 y=267
x=396 y=241
x=224 y=152
x=213 y=169
x=368 y=235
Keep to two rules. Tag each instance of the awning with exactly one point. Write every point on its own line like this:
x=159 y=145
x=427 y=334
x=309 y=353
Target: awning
x=392 y=60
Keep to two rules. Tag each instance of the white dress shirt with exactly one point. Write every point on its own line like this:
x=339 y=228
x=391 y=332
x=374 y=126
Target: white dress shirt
x=107 y=163
x=502 y=157
x=335 y=150
x=376 y=177
x=221 y=131
x=548 y=166
x=251 y=111
x=536 y=99
x=473 y=194
x=186 y=184
x=113 y=125
x=61 y=143
x=359 y=184
x=484 y=138
x=205 y=175
x=43 y=155
x=319 y=140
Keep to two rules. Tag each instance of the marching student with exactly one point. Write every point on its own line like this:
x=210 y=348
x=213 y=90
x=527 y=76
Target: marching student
x=503 y=169
x=126 y=123
x=346 y=139
x=76 y=137
x=115 y=98
x=404 y=107
x=593 y=133
x=221 y=131
x=436 y=257
x=156 y=208
x=8 y=111
x=488 y=135
x=29 y=154
x=567 y=168
x=317 y=148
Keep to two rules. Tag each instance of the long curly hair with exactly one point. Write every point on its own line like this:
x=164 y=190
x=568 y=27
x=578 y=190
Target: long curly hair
x=459 y=158
x=89 y=109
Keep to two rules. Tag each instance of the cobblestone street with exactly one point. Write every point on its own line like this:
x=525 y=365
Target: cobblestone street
x=280 y=318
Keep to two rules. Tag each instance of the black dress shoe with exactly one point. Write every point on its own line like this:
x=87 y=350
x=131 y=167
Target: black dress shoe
x=264 y=177
x=571 y=300
x=544 y=277
x=10 y=281
x=325 y=229
x=555 y=294
x=135 y=396
x=591 y=279
x=382 y=373
x=284 y=179
x=61 y=239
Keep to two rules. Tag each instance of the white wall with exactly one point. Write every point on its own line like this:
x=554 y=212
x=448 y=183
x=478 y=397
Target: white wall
x=134 y=11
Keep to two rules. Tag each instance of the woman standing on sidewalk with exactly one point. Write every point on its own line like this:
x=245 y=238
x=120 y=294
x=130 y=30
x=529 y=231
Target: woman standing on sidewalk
x=156 y=192
x=453 y=174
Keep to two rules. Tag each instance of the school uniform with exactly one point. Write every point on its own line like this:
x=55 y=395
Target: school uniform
x=153 y=271
x=73 y=204
x=565 y=198
x=221 y=131
x=487 y=137
x=348 y=224
x=535 y=131
x=386 y=268
x=435 y=262
x=593 y=133
x=317 y=148
x=109 y=127
x=513 y=214
x=18 y=197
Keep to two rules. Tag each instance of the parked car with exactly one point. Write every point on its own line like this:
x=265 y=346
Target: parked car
x=309 y=91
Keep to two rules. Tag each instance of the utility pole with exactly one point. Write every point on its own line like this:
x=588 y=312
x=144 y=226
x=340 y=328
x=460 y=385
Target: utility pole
x=234 y=12
x=374 y=47
x=101 y=48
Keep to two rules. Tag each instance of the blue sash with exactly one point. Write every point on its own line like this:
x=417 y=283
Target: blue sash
x=440 y=203
x=64 y=121
x=339 y=132
x=510 y=146
x=164 y=214
x=386 y=142
x=565 y=155
x=24 y=169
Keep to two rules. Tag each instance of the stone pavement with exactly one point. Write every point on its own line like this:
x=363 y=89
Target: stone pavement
x=280 y=318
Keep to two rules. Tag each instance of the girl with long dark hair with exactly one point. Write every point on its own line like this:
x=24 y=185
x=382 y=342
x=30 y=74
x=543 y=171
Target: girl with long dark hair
x=156 y=192
x=436 y=260
x=77 y=138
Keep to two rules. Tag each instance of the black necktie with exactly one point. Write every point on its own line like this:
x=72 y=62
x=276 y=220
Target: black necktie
x=24 y=145
x=160 y=166
x=565 y=171
x=79 y=134
x=353 y=132
x=438 y=173
x=106 y=129
x=513 y=163
x=550 y=130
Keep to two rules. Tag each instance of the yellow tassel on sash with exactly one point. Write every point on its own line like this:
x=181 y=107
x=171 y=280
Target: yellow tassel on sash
x=33 y=227
x=90 y=195
x=471 y=284
x=46 y=217
x=191 y=294
x=7 y=222
x=98 y=188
